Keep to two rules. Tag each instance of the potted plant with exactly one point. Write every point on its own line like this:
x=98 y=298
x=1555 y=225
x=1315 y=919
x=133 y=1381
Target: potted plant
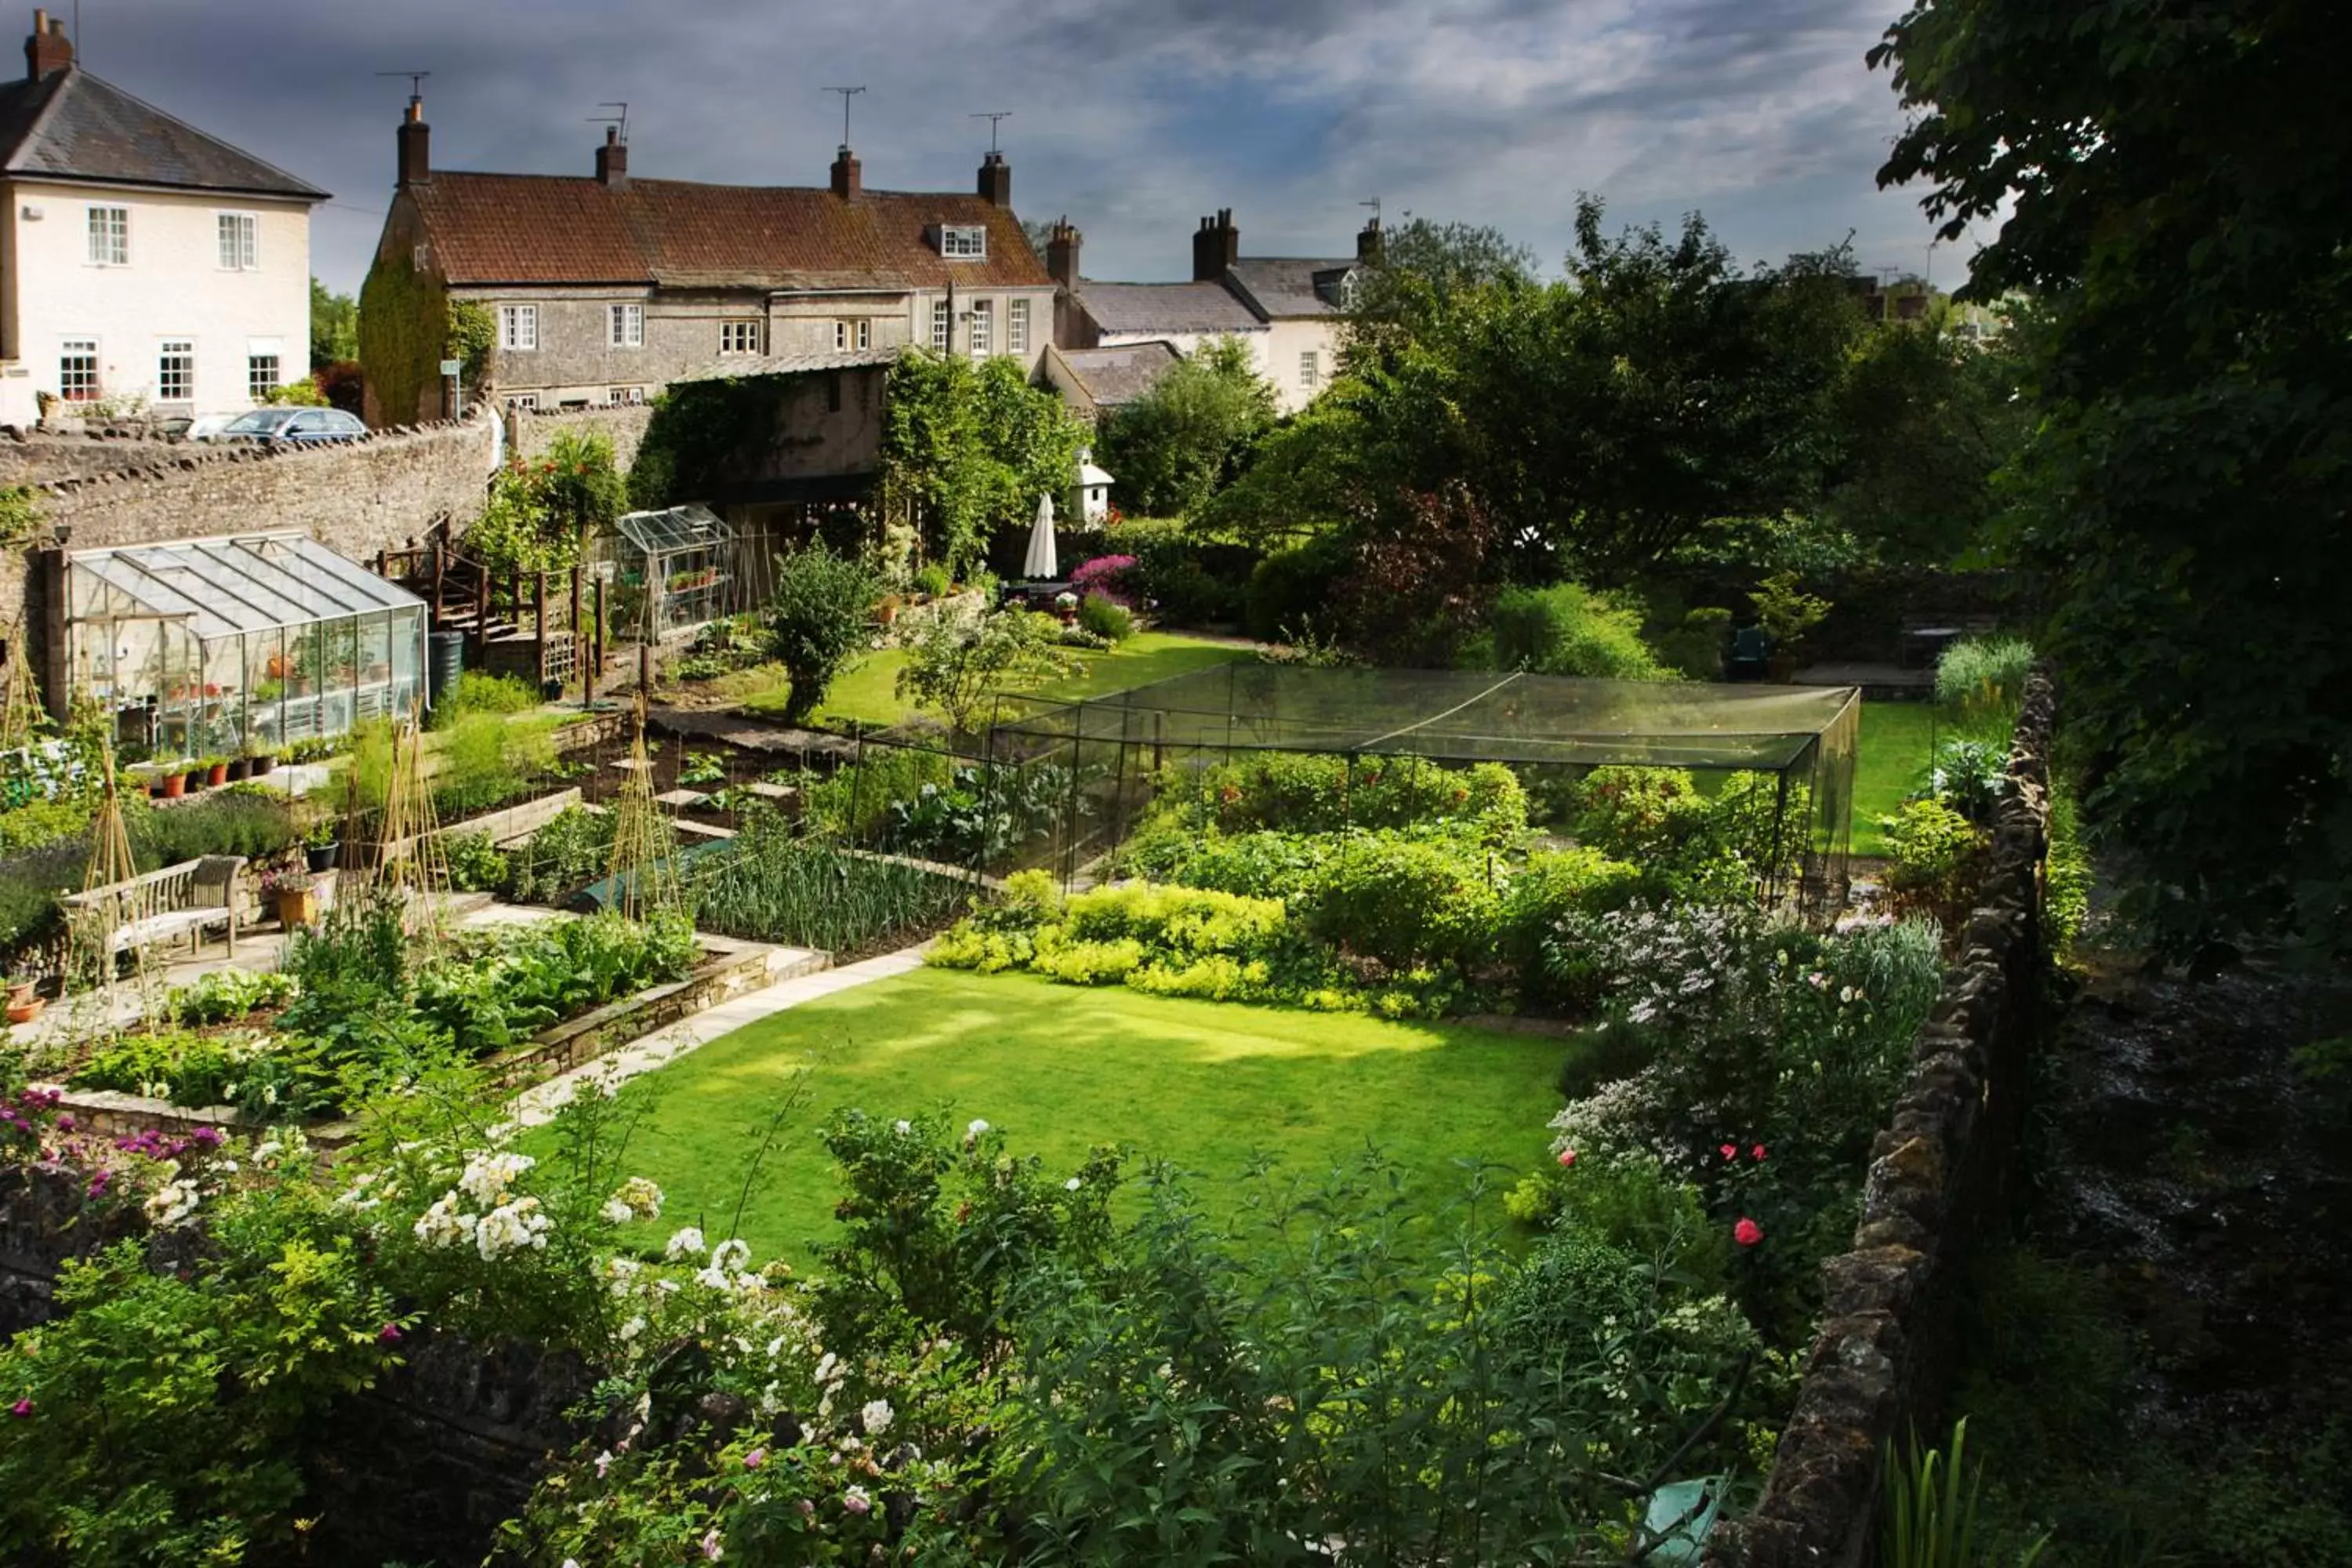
x=216 y=771
x=171 y=782
x=320 y=847
x=199 y=773
x=25 y=1003
x=1065 y=605
x=262 y=761
x=290 y=892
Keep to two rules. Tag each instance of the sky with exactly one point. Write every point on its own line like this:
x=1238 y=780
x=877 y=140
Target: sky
x=1131 y=117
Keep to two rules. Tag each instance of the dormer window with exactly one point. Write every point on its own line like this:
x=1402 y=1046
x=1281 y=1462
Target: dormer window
x=963 y=242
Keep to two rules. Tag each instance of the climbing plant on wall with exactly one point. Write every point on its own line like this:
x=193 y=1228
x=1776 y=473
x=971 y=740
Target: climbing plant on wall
x=698 y=428
x=404 y=326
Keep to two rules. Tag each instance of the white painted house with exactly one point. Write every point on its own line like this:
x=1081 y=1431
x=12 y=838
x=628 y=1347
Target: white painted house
x=1290 y=312
x=140 y=258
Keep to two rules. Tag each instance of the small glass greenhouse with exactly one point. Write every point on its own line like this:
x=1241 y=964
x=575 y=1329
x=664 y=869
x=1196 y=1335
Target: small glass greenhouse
x=672 y=571
x=225 y=646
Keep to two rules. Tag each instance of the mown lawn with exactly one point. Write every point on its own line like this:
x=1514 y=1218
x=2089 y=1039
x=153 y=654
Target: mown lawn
x=868 y=690
x=1063 y=1068
x=1890 y=761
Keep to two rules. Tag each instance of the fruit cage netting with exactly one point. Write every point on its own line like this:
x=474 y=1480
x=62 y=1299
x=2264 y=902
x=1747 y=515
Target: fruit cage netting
x=1113 y=755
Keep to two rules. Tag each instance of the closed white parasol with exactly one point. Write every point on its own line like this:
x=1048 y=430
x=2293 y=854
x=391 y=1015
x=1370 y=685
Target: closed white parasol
x=1040 y=564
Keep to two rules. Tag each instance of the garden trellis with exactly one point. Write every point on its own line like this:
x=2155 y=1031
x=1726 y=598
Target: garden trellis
x=1123 y=750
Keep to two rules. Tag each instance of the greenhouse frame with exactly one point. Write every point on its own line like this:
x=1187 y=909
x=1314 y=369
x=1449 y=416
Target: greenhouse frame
x=673 y=571
x=1123 y=750
x=238 y=645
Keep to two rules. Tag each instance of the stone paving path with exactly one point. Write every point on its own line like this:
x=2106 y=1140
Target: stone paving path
x=541 y=1101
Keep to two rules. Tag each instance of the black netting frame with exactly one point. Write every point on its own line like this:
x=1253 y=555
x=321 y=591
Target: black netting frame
x=1114 y=754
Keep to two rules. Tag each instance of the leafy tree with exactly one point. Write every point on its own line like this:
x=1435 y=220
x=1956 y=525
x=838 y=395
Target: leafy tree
x=1424 y=268
x=541 y=513
x=1173 y=448
x=968 y=448
x=956 y=663
x=819 y=614
x=1605 y=421
x=2168 y=178
x=335 y=327
x=1925 y=420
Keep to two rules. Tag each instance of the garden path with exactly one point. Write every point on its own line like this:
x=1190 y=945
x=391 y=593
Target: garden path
x=541 y=1101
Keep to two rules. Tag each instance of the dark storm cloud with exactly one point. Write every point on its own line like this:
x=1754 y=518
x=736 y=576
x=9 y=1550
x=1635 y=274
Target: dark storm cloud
x=1131 y=116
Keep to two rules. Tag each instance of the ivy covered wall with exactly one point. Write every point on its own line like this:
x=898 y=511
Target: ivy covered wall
x=403 y=327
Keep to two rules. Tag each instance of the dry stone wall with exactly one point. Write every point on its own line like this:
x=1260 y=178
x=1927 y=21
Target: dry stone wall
x=1938 y=1180
x=534 y=432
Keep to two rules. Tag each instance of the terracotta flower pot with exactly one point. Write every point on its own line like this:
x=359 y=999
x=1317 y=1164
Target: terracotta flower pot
x=26 y=1012
x=173 y=785
x=216 y=776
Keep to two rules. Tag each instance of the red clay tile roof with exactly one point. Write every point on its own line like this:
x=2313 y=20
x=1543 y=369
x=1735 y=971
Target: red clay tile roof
x=561 y=228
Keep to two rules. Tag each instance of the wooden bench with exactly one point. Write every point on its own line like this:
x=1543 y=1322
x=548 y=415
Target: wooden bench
x=159 y=907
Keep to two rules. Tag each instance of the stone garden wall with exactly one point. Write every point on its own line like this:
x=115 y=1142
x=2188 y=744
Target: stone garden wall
x=1938 y=1180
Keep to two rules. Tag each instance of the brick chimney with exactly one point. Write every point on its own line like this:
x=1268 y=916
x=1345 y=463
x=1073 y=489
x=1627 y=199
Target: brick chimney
x=1216 y=246
x=848 y=174
x=1368 y=243
x=613 y=160
x=1061 y=254
x=49 y=50
x=996 y=179
x=415 y=142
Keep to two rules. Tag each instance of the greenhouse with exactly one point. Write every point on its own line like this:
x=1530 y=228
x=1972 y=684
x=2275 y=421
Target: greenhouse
x=1121 y=751
x=228 y=647
x=672 y=571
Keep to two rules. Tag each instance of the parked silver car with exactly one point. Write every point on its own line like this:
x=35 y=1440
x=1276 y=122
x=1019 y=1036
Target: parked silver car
x=303 y=427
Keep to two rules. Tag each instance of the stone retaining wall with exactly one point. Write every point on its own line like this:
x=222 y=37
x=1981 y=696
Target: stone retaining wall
x=1938 y=1180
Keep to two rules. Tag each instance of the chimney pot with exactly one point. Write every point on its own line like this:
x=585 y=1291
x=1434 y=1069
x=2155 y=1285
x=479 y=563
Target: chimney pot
x=1061 y=254
x=996 y=180
x=414 y=141
x=613 y=160
x=1216 y=246
x=49 y=50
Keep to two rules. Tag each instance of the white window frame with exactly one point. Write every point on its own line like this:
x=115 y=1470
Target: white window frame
x=70 y=349
x=519 y=328
x=169 y=352
x=865 y=334
x=840 y=336
x=627 y=397
x=256 y=387
x=1016 y=326
x=624 y=326
x=1310 y=367
x=529 y=400
x=963 y=241
x=739 y=335
x=240 y=241
x=984 y=328
x=109 y=234
x=942 y=327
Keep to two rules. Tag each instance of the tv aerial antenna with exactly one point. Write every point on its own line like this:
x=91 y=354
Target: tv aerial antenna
x=620 y=120
x=995 y=117
x=415 y=83
x=846 y=94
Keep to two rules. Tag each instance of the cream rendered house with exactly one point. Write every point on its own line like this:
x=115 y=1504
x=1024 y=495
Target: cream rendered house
x=140 y=258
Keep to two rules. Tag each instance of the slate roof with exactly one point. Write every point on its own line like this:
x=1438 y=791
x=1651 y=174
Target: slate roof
x=562 y=228
x=1120 y=373
x=71 y=125
x=1290 y=285
x=1165 y=308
